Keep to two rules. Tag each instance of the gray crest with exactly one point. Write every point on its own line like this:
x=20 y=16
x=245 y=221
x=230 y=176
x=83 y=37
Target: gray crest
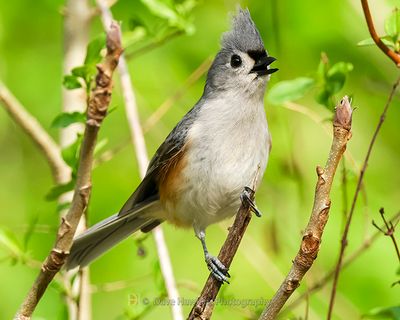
x=243 y=35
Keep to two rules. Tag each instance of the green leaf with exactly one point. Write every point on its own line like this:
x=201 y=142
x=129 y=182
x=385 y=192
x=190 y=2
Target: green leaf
x=290 y=90
x=336 y=77
x=65 y=119
x=129 y=38
x=71 y=82
x=392 y=24
x=322 y=97
x=70 y=153
x=164 y=11
x=392 y=313
x=58 y=190
x=335 y=82
x=370 y=42
x=94 y=48
x=86 y=72
x=80 y=72
x=342 y=67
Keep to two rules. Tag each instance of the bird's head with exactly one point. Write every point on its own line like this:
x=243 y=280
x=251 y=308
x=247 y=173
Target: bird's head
x=242 y=64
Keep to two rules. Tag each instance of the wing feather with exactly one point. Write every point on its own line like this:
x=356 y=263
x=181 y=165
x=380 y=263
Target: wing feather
x=148 y=189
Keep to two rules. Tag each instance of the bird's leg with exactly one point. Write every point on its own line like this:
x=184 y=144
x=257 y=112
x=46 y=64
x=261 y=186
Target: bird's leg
x=217 y=268
x=246 y=198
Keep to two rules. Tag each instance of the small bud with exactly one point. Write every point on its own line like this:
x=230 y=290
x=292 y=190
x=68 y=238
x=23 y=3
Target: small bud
x=343 y=114
x=113 y=41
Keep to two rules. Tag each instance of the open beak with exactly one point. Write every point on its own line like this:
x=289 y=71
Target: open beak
x=261 y=66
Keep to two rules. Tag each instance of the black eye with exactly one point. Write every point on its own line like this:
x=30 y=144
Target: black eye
x=236 y=61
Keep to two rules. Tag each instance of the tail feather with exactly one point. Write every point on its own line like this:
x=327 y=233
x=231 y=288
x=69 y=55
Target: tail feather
x=105 y=234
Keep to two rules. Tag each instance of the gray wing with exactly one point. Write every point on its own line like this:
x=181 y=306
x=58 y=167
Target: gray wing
x=147 y=191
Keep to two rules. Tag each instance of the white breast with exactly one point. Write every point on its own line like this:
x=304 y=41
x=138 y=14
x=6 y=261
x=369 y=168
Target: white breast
x=229 y=146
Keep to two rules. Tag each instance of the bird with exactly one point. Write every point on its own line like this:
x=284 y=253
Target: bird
x=198 y=175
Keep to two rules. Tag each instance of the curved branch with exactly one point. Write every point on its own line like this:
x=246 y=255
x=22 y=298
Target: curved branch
x=385 y=49
x=97 y=110
x=311 y=241
x=36 y=132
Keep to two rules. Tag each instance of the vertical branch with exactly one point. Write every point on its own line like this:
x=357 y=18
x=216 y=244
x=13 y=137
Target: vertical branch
x=77 y=16
x=344 y=239
x=97 y=110
x=311 y=241
x=142 y=157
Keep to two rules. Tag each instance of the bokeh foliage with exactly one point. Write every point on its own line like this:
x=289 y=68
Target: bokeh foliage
x=294 y=31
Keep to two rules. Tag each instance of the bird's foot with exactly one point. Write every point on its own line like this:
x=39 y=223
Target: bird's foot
x=246 y=197
x=217 y=268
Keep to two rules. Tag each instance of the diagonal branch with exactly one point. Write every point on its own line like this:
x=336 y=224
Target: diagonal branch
x=36 y=132
x=97 y=110
x=385 y=49
x=204 y=306
x=142 y=157
x=311 y=241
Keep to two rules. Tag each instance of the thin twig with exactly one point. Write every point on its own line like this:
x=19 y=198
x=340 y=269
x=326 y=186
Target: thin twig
x=385 y=49
x=204 y=306
x=36 y=132
x=346 y=262
x=344 y=239
x=312 y=236
x=390 y=229
x=97 y=110
x=141 y=154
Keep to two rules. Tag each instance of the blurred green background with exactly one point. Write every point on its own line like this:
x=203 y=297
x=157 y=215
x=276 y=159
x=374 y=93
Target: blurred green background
x=294 y=31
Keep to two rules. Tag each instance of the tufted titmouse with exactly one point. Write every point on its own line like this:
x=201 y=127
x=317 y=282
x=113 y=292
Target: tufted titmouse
x=197 y=175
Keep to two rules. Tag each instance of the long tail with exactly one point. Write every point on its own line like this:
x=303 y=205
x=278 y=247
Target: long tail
x=107 y=233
